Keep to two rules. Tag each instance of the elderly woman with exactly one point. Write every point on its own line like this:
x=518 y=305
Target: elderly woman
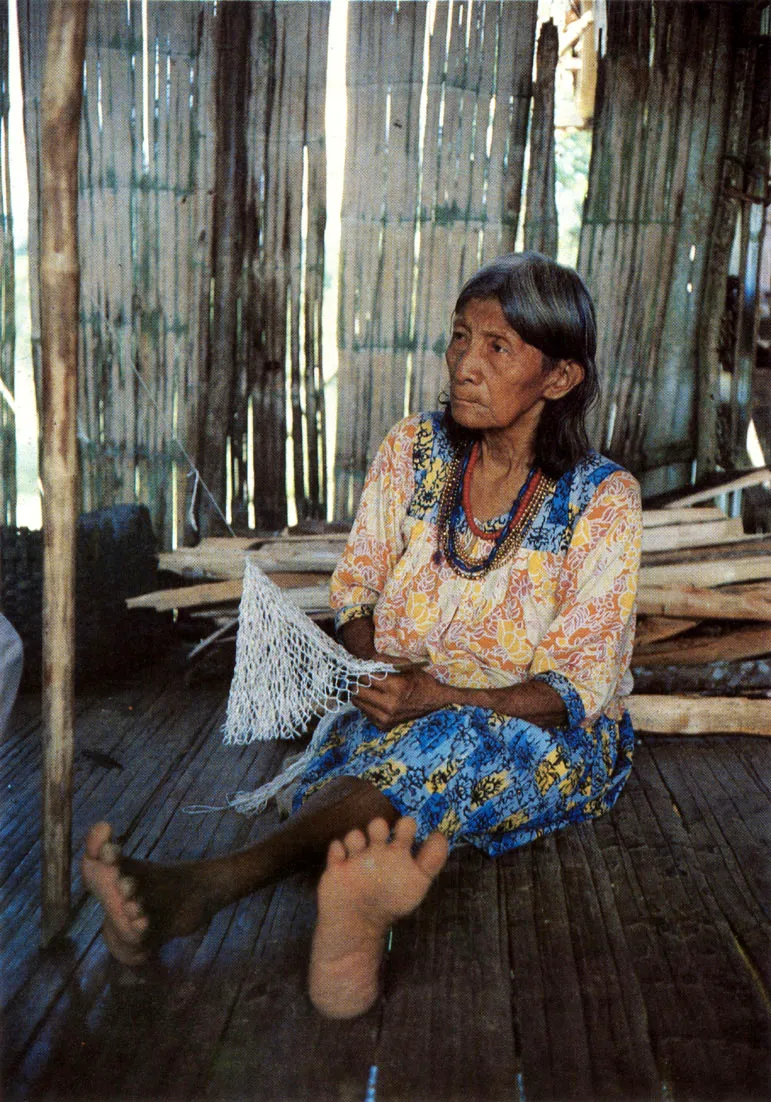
x=494 y=558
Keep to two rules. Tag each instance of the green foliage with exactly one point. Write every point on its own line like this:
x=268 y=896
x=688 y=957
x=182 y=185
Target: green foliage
x=573 y=149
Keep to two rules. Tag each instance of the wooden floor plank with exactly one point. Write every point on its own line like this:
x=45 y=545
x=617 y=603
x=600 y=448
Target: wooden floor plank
x=158 y=751
x=180 y=989
x=620 y=959
x=621 y=1057
x=548 y=1006
x=731 y=856
x=696 y=985
x=122 y=731
x=447 y=994
x=275 y=1046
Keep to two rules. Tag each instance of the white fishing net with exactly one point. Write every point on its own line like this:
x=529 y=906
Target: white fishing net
x=287 y=671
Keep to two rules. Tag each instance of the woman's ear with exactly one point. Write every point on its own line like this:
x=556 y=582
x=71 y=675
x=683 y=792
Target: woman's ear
x=563 y=377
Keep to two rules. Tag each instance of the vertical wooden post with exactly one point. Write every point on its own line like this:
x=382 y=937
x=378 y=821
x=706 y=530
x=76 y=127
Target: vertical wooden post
x=59 y=274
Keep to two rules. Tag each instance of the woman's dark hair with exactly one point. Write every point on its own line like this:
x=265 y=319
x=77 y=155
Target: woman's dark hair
x=549 y=307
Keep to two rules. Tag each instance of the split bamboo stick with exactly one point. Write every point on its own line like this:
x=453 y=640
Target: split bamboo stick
x=61 y=106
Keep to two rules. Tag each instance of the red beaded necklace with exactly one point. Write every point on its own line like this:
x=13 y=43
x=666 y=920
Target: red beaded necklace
x=480 y=533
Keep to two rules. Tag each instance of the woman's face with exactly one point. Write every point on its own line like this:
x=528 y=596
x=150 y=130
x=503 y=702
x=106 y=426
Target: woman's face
x=497 y=381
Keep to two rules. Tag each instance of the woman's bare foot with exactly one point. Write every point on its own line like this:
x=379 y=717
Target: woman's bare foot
x=368 y=883
x=125 y=923
x=146 y=903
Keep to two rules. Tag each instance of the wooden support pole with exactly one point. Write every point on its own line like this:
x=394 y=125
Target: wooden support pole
x=59 y=274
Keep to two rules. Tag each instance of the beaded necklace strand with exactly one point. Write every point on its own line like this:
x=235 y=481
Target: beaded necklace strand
x=455 y=501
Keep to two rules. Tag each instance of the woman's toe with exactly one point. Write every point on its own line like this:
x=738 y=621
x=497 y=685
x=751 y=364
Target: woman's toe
x=378 y=831
x=127 y=886
x=97 y=837
x=432 y=855
x=404 y=832
x=354 y=842
x=336 y=854
x=109 y=853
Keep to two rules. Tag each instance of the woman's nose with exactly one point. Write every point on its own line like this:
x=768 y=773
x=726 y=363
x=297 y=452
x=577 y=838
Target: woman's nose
x=468 y=364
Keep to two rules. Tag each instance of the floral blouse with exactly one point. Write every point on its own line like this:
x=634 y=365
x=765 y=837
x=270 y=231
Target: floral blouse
x=560 y=608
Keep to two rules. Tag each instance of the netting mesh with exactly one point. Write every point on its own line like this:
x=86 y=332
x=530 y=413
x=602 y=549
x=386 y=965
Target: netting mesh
x=287 y=671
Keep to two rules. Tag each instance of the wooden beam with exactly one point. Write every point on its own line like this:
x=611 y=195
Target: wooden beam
x=654 y=518
x=700 y=715
x=676 y=536
x=216 y=593
x=729 y=647
x=654 y=629
x=223 y=561
x=754 y=545
x=705 y=604
x=59 y=274
x=752 y=478
x=708 y=572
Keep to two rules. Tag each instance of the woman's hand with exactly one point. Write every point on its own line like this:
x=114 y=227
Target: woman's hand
x=408 y=694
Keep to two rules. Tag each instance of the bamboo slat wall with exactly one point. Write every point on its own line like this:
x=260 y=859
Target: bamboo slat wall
x=380 y=197
x=541 y=230
x=424 y=203
x=145 y=233
x=283 y=275
x=479 y=89
x=203 y=253
x=666 y=88
x=7 y=321
x=201 y=284
x=145 y=241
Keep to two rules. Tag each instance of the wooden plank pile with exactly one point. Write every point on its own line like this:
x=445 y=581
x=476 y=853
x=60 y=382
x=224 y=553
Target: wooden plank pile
x=705 y=596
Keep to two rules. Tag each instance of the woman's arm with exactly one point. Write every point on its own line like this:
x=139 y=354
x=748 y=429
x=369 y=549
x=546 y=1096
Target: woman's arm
x=413 y=692
x=358 y=637
x=376 y=540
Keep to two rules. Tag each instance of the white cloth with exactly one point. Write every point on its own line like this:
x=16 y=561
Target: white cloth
x=11 y=662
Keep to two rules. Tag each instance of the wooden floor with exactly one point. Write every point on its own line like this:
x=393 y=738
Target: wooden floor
x=623 y=959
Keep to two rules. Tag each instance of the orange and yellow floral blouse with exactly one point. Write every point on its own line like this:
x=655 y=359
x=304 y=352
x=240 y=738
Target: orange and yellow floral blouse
x=561 y=608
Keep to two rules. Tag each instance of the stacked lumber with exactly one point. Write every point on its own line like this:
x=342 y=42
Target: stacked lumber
x=213 y=572
x=704 y=597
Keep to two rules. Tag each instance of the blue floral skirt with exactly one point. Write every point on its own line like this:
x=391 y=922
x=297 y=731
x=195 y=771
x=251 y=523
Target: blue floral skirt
x=479 y=777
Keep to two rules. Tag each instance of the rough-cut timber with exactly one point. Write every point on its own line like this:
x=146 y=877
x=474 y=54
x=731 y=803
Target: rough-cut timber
x=737 y=603
x=693 y=715
x=742 y=642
